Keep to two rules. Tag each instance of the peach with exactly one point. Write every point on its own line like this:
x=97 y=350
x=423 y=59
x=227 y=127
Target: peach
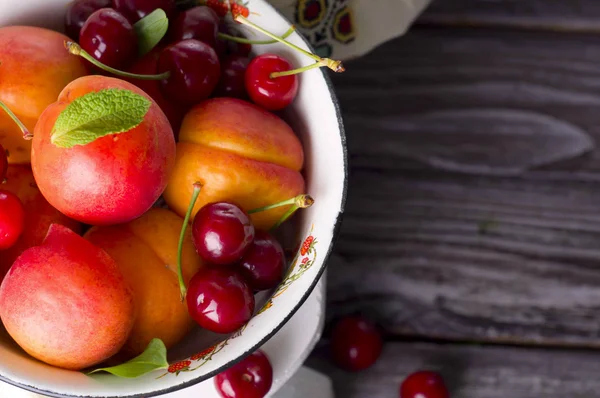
x=112 y=179
x=240 y=153
x=35 y=68
x=146 y=252
x=39 y=214
x=66 y=303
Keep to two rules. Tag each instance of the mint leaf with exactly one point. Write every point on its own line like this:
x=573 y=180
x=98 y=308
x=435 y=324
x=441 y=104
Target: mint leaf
x=97 y=114
x=150 y=30
x=154 y=357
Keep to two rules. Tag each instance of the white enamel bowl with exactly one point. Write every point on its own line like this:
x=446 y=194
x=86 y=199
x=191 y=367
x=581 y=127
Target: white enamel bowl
x=316 y=119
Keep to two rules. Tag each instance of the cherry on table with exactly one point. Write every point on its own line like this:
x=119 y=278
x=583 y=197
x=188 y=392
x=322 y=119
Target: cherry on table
x=194 y=71
x=233 y=71
x=219 y=300
x=3 y=164
x=250 y=378
x=271 y=93
x=263 y=263
x=78 y=12
x=109 y=37
x=222 y=232
x=200 y=23
x=12 y=219
x=424 y=384
x=356 y=343
x=134 y=10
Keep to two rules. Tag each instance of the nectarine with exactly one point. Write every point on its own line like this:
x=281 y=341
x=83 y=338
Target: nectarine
x=146 y=252
x=240 y=153
x=35 y=68
x=66 y=303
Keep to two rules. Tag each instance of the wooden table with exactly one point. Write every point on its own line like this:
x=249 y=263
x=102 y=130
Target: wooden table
x=472 y=228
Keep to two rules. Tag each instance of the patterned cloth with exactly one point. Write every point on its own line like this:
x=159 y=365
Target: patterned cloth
x=344 y=29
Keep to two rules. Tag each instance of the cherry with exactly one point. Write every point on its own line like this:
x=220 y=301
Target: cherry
x=3 y=163
x=194 y=71
x=200 y=23
x=109 y=37
x=250 y=378
x=78 y=12
x=262 y=264
x=219 y=300
x=424 y=384
x=222 y=232
x=233 y=70
x=12 y=219
x=271 y=93
x=134 y=10
x=355 y=343
x=233 y=47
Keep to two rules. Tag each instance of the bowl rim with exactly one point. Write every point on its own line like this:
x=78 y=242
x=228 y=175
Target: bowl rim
x=336 y=230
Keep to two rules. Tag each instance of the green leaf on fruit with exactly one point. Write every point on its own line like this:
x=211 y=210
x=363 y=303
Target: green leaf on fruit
x=150 y=30
x=154 y=357
x=98 y=114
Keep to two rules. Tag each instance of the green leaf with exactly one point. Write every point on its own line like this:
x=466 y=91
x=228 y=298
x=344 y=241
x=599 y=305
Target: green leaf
x=150 y=30
x=98 y=114
x=154 y=357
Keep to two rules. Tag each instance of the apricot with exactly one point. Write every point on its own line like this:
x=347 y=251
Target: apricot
x=66 y=303
x=112 y=179
x=39 y=214
x=146 y=252
x=239 y=153
x=35 y=68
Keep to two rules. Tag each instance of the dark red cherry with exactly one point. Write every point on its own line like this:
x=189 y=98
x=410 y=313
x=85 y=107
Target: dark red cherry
x=222 y=232
x=263 y=263
x=271 y=93
x=200 y=23
x=148 y=65
x=250 y=378
x=219 y=300
x=234 y=47
x=424 y=384
x=109 y=37
x=355 y=343
x=134 y=10
x=3 y=164
x=233 y=71
x=78 y=12
x=195 y=71
x=12 y=219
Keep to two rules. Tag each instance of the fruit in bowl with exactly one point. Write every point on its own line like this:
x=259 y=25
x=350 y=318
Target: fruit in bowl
x=180 y=188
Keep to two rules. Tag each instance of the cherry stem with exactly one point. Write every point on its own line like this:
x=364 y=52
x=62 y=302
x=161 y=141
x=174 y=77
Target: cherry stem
x=186 y=220
x=243 y=40
x=295 y=71
x=26 y=133
x=335 y=66
x=76 y=49
x=301 y=201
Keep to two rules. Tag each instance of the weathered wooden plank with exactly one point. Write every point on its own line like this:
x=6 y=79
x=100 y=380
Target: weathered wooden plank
x=557 y=15
x=472 y=371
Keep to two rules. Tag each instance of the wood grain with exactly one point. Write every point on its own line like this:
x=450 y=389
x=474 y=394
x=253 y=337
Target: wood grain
x=472 y=371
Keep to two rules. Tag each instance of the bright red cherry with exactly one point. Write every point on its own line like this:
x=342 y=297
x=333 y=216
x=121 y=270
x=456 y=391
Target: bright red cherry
x=195 y=71
x=424 y=384
x=250 y=378
x=271 y=93
x=3 y=164
x=263 y=263
x=233 y=71
x=78 y=12
x=12 y=219
x=109 y=37
x=222 y=232
x=134 y=10
x=355 y=343
x=219 y=300
x=200 y=23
